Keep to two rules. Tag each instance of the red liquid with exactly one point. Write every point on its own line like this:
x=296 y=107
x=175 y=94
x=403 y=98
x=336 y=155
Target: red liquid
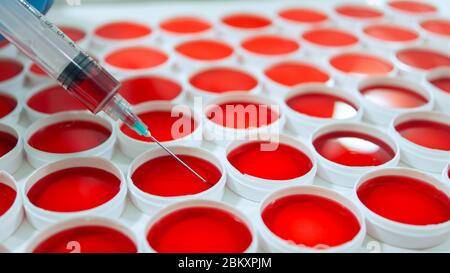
x=7 y=143
x=303 y=15
x=330 y=37
x=292 y=73
x=136 y=58
x=359 y=11
x=38 y=71
x=163 y=126
x=164 y=176
x=311 y=221
x=322 y=106
x=437 y=26
x=361 y=64
x=185 y=25
x=423 y=59
x=353 y=149
x=442 y=83
x=405 y=199
x=123 y=30
x=391 y=33
x=393 y=96
x=242 y=115
x=73 y=33
x=4 y=43
x=200 y=230
x=222 y=80
x=270 y=45
x=206 y=50
x=430 y=134
x=412 y=6
x=91 y=239
x=9 y=69
x=74 y=189
x=149 y=88
x=7 y=105
x=247 y=21
x=69 y=137
x=54 y=100
x=282 y=162
x=7 y=197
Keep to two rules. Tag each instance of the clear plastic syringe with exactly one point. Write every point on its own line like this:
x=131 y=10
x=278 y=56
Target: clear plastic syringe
x=39 y=39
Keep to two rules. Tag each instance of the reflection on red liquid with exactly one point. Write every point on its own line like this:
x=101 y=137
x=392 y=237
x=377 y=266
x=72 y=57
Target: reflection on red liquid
x=294 y=73
x=393 y=96
x=422 y=58
x=363 y=64
x=322 y=106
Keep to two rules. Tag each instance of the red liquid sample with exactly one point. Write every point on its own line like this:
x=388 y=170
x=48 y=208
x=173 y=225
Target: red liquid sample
x=413 y=6
x=442 y=83
x=405 y=199
x=136 y=58
x=359 y=11
x=356 y=63
x=149 y=88
x=270 y=45
x=7 y=197
x=222 y=80
x=199 y=230
x=393 y=96
x=278 y=162
x=163 y=125
x=353 y=149
x=429 y=134
x=292 y=73
x=438 y=26
x=4 y=43
x=391 y=33
x=7 y=105
x=9 y=69
x=38 y=71
x=123 y=30
x=242 y=115
x=311 y=221
x=7 y=143
x=330 y=37
x=54 y=100
x=422 y=58
x=205 y=50
x=91 y=239
x=164 y=176
x=185 y=25
x=69 y=137
x=303 y=15
x=321 y=105
x=73 y=33
x=74 y=189
x=246 y=21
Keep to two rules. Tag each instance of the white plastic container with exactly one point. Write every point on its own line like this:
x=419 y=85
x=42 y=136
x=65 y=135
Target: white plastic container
x=37 y=158
x=235 y=34
x=13 y=116
x=41 y=218
x=290 y=23
x=150 y=203
x=274 y=244
x=446 y=174
x=344 y=175
x=400 y=234
x=252 y=248
x=417 y=156
x=442 y=98
x=12 y=218
x=255 y=188
x=435 y=38
x=12 y=161
x=16 y=83
x=170 y=38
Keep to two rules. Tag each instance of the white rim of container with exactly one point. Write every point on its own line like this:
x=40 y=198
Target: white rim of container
x=293 y=26
x=276 y=244
x=397 y=233
x=434 y=37
x=236 y=34
x=442 y=98
x=172 y=38
x=52 y=230
x=223 y=135
x=132 y=147
x=16 y=83
x=150 y=203
x=37 y=158
x=344 y=175
x=406 y=16
x=445 y=174
x=12 y=218
x=203 y=204
x=383 y=115
x=304 y=124
x=420 y=157
x=351 y=21
x=12 y=161
x=40 y=217
x=8 y=50
x=255 y=188
x=13 y=116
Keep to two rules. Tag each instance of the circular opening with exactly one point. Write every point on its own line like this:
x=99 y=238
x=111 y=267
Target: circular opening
x=360 y=12
x=390 y=33
x=419 y=131
x=7 y=143
x=270 y=45
x=123 y=30
x=361 y=64
x=330 y=37
x=8 y=196
x=10 y=69
x=295 y=73
x=303 y=15
x=246 y=21
x=54 y=99
x=437 y=26
x=414 y=7
x=393 y=96
x=422 y=58
x=443 y=83
x=222 y=80
x=205 y=50
x=7 y=104
x=185 y=25
x=136 y=58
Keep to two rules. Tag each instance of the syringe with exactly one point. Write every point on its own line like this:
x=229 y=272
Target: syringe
x=47 y=46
